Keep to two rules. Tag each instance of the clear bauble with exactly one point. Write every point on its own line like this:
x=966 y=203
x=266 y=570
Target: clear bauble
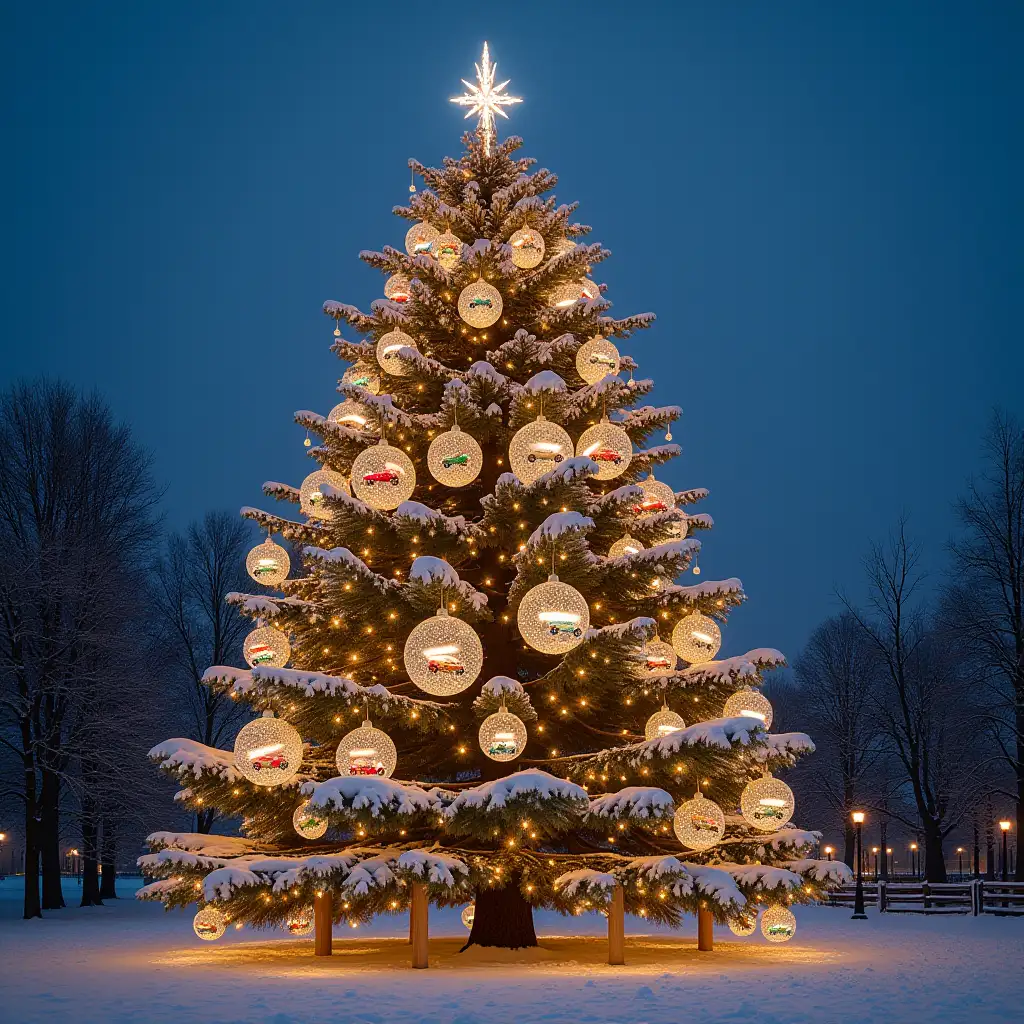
x=749 y=703
x=468 y=915
x=268 y=751
x=663 y=723
x=209 y=924
x=502 y=736
x=454 y=458
x=657 y=497
x=420 y=239
x=366 y=751
x=527 y=248
x=349 y=413
x=397 y=288
x=609 y=446
x=699 y=823
x=309 y=822
x=448 y=250
x=778 y=924
x=743 y=926
x=480 y=304
x=387 y=352
x=362 y=375
x=383 y=476
x=267 y=646
x=597 y=359
x=300 y=922
x=311 y=495
x=767 y=803
x=659 y=659
x=268 y=563
x=443 y=655
x=553 y=617
x=626 y=545
x=696 y=638
x=537 y=448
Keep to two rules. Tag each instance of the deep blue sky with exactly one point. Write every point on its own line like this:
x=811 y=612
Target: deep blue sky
x=821 y=202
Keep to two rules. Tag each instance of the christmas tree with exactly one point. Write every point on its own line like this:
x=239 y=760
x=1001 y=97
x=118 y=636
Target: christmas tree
x=497 y=689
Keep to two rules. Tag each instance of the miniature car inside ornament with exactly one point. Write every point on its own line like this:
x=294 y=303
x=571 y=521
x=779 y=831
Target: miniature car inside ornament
x=659 y=658
x=663 y=723
x=537 y=448
x=609 y=446
x=366 y=751
x=383 y=476
x=448 y=250
x=300 y=922
x=626 y=545
x=311 y=495
x=454 y=458
x=349 y=413
x=699 y=823
x=502 y=735
x=527 y=248
x=362 y=375
x=397 y=288
x=553 y=617
x=658 y=497
x=309 y=823
x=480 y=304
x=209 y=924
x=749 y=703
x=268 y=751
x=420 y=239
x=266 y=646
x=387 y=352
x=443 y=654
x=597 y=359
x=268 y=563
x=767 y=803
x=696 y=638
x=778 y=924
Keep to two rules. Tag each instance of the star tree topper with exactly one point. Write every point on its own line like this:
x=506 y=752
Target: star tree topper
x=486 y=99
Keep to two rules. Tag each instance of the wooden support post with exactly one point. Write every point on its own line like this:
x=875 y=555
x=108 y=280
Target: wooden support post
x=418 y=912
x=323 y=924
x=617 y=928
x=705 y=930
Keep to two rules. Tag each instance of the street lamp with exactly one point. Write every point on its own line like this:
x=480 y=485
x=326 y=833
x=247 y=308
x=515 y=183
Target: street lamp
x=914 y=866
x=891 y=865
x=960 y=861
x=1004 y=827
x=874 y=850
x=3 y=837
x=858 y=900
x=828 y=852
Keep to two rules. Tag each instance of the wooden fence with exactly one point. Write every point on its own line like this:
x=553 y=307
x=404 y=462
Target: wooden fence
x=978 y=896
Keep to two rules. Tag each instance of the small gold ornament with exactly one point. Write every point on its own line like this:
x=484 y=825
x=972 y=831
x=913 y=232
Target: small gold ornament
x=383 y=476
x=767 y=803
x=209 y=924
x=778 y=924
x=268 y=751
x=420 y=239
x=749 y=703
x=553 y=617
x=309 y=823
x=337 y=332
x=537 y=448
x=448 y=249
x=663 y=723
x=443 y=655
x=480 y=304
x=597 y=359
x=366 y=751
x=454 y=458
x=363 y=375
x=266 y=646
x=397 y=288
x=527 y=248
x=625 y=546
x=502 y=735
x=699 y=823
x=268 y=563
x=387 y=352
x=696 y=638
x=311 y=495
x=307 y=443
x=609 y=446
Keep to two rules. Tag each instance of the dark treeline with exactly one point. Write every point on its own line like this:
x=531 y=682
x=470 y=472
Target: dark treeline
x=105 y=628
x=915 y=696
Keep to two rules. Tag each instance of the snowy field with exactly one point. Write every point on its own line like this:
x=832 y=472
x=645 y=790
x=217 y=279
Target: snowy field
x=131 y=961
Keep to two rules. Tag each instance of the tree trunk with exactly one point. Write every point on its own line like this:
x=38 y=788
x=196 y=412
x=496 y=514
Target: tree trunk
x=205 y=819
x=503 y=918
x=883 y=834
x=90 y=862
x=108 y=860
x=976 y=871
x=1018 y=873
x=990 y=855
x=32 y=906
x=49 y=841
x=934 y=861
x=850 y=843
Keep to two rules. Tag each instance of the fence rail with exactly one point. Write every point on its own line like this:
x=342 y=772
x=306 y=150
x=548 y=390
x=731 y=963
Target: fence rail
x=979 y=896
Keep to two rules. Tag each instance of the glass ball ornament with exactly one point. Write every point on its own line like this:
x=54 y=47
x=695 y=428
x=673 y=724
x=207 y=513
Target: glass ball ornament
x=366 y=751
x=300 y=922
x=443 y=655
x=778 y=924
x=420 y=239
x=309 y=822
x=699 y=823
x=268 y=751
x=349 y=413
x=209 y=924
x=362 y=375
x=397 y=288
x=749 y=703
x=383 y=476
x=527 y=248
x=502 y=736
x=448 y=250
x=657 y=497
x=659 y=659
x=454 y=458
x=589 y=291
x=565 y=295
x=743 y=926
x=767 y=803
x=537 y=448
x=663 y=723
x=625 y=546
x=480 y=304
x=387 y=352
x=268 y=563
x=597 y=359
x=607 y=445
x=266 y=646
x=696 y=638
x=553 y=617
x=311 y=496
x=468 y=915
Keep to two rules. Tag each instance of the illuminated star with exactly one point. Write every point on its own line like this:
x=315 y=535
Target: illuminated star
x=485 y=99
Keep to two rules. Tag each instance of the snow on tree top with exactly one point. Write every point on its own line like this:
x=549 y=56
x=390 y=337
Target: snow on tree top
x=762 y=876
x=266 y=607
x=532 y=782
x=571 y=881
x=424 y=514
x=633 y=802
x=192 y=756
x=481 y=368
x=546 y=380
x=434 y=867
x=429 y=569
x=789 y=838
x=723 y=733
x=718 y=884
x=199 y=842
x=559 y=523
x=370 y=793
x=498 y=686
x=785 y=744
x=624 y=628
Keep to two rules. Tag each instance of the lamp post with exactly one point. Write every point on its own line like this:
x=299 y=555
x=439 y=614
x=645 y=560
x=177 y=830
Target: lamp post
x=858 y=900
x=828 y=852
x=960 y=862
x=874 y=850
x=78 y=863
x=890 y=866
x=913 y=860
x=3 y=837
x=1004 y=827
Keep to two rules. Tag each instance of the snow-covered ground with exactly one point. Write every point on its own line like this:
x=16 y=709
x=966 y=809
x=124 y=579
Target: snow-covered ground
x=131 y=961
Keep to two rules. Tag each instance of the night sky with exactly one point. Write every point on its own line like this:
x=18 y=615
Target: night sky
x=821 y=202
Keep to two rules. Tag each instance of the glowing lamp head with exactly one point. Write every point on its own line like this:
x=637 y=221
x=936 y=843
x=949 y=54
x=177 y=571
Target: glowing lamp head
x=858 y=817
x=828 y=849
x=1004 y=825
